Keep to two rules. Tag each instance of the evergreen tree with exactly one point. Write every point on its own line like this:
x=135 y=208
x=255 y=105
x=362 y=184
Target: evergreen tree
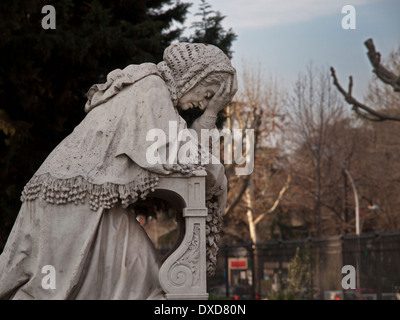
x=209 y=29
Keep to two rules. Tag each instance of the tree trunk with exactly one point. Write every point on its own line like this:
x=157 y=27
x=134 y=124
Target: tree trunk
x=250 y=215
x=249 y=197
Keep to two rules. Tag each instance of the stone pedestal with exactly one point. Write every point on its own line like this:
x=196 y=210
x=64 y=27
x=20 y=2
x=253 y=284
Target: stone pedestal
x=183 y=273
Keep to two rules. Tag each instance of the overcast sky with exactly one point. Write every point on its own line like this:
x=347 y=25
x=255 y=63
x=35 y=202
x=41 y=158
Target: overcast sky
x=285 y=35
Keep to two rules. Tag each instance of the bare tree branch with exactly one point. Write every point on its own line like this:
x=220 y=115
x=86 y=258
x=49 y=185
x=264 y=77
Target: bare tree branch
x=278 y=199
x=383 y=74
x=372 y=114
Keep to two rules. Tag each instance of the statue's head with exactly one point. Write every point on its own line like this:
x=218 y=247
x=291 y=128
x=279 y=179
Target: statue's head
x=198 y=70
x=203 y=91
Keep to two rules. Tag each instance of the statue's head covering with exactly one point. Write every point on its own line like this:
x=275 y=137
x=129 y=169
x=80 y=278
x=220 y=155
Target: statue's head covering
x=186 y=64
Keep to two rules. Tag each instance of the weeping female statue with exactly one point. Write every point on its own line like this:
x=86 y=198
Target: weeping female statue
x=74 y=214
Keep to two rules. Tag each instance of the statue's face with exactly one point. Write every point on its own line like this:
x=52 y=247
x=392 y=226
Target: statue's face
x=198 y=97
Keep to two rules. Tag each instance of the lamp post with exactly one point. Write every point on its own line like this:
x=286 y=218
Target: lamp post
x=353 y=185
x=357 y=208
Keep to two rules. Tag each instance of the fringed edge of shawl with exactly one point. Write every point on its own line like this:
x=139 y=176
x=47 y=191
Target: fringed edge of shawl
x=78 y=190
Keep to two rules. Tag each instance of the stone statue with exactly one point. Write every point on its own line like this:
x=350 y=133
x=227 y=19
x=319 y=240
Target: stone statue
x=74 y=219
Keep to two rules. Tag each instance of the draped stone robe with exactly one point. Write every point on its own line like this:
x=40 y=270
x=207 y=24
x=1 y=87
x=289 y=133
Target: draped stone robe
x=74 y=213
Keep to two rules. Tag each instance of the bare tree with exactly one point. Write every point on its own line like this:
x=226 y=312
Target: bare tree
x=381 y=146
x=258 y=107
x=314 y=109
x=368 y=149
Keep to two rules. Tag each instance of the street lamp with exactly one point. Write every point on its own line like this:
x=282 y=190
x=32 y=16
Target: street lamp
x=353 y=185
x=357 y=208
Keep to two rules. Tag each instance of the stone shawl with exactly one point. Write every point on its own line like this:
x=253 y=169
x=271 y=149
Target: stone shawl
x=104 y=157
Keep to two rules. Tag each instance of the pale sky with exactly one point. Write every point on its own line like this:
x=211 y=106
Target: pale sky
x=283 y=36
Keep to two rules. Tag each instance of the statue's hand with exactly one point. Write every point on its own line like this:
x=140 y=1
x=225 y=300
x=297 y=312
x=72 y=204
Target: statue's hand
x=223 y=96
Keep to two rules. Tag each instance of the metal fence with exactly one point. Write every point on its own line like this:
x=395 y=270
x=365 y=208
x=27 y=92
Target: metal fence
x=311 y=269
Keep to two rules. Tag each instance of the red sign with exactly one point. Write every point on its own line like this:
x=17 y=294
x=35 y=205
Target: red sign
x=238 y=264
